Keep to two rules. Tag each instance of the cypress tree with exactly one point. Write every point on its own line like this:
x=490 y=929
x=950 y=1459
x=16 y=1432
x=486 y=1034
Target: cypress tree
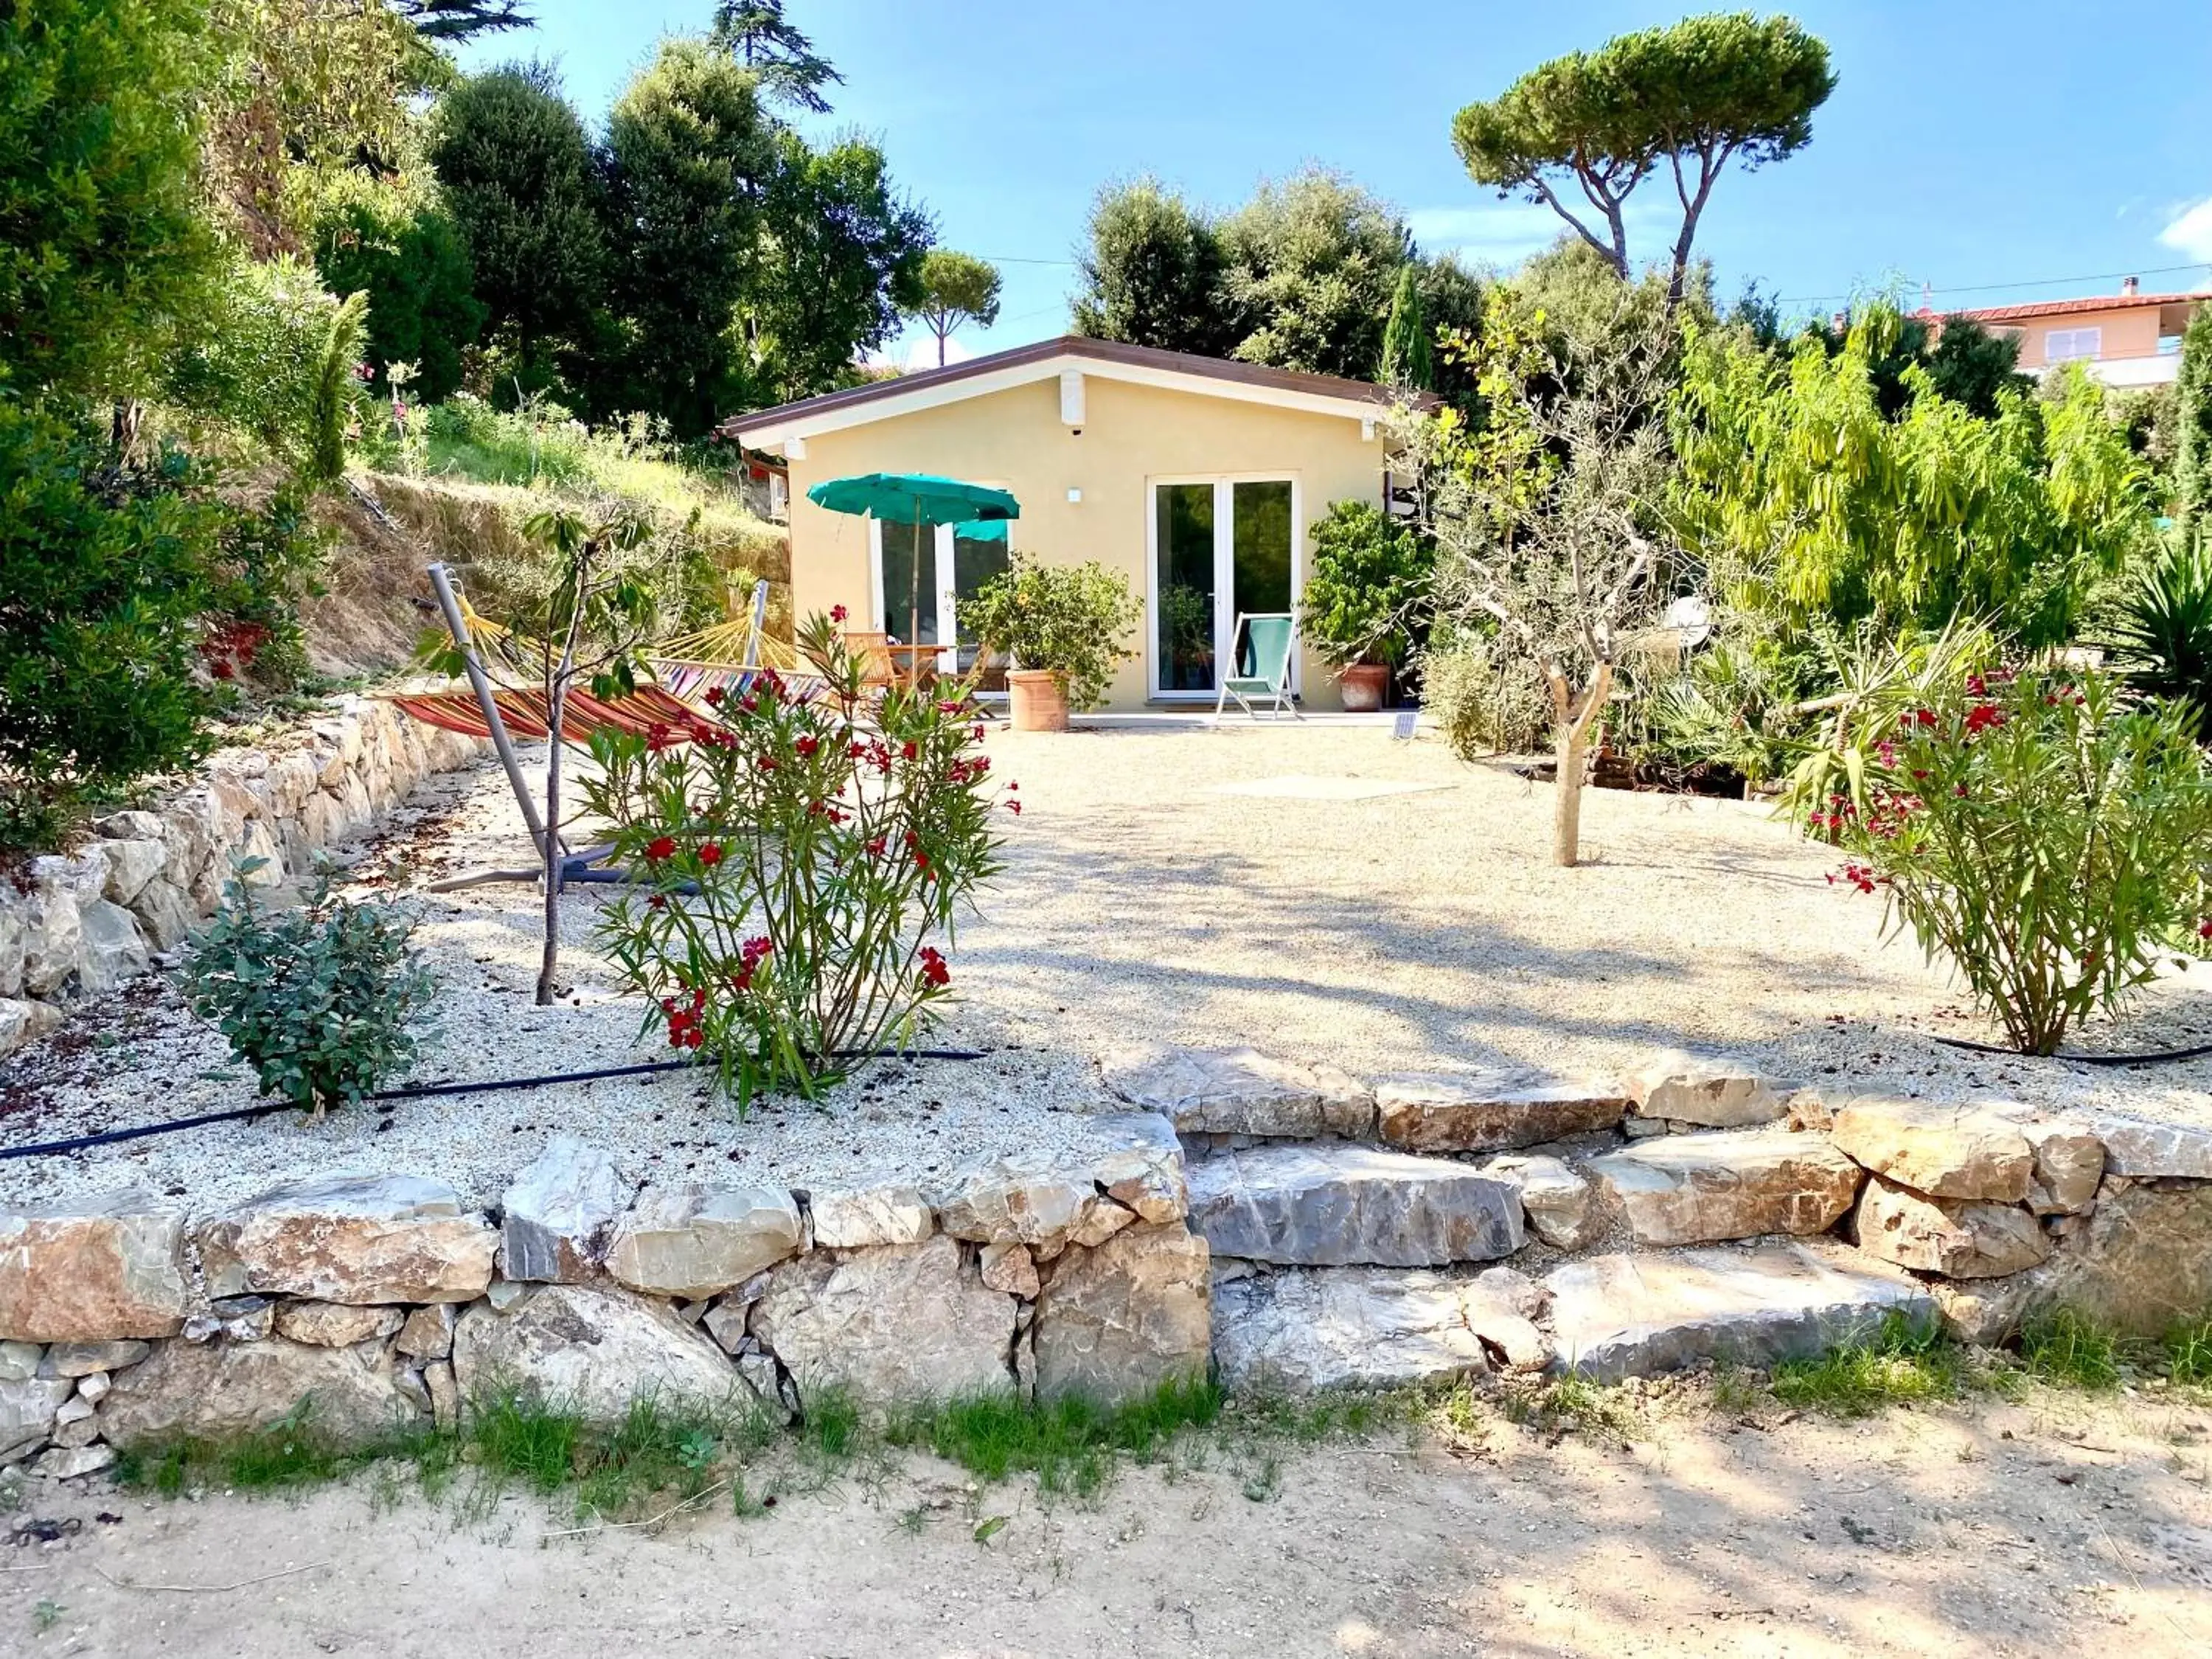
x=1405 y=356
x=2192 y=423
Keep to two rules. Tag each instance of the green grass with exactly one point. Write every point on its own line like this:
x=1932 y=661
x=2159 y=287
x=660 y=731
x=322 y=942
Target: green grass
x=2065 y=1349
x=1070 y=1444
x=1906 y=1363
x=2189 y=1354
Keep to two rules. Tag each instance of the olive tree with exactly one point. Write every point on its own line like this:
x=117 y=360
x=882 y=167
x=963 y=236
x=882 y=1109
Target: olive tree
x=1547 y=518
x=1692 y=96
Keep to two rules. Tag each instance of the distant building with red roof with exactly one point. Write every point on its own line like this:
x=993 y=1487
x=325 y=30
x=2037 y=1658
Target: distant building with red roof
x=2125 y=339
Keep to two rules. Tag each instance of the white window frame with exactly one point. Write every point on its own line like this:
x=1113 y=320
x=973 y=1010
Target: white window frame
x=943 y=564
x=2065 y=345
x=1225 y=573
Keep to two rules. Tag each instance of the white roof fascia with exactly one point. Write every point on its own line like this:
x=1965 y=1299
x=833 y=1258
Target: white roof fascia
x=894 y=404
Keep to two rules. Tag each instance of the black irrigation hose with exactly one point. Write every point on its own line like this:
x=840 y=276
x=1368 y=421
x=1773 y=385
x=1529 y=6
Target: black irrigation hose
x=112 y=1137
x=2164 y=1055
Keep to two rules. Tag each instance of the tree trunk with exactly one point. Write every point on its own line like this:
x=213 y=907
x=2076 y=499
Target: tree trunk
x=549 y=962
x=1572 y=743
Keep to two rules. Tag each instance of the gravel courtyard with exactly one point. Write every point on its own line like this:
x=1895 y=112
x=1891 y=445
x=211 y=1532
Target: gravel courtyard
x=1318 y=890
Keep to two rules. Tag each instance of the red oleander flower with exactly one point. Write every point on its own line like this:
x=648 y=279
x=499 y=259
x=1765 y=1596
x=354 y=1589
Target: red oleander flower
x=933 y=970
x=2205 y=928
x=1982 y=716
x=710 y=854
x=806 y=746
x=658 y=901
x=908 y=750
x=660 y=848
x=837 y=613
x=1015 y=807
x=767 y=762
x=715 y=695
x=658 y=738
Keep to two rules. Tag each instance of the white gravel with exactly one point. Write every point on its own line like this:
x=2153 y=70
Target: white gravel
x=1394 y=931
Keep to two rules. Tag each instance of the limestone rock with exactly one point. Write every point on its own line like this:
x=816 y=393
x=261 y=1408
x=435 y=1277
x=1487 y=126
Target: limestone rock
x=113 y=948
x=352 y=1238
x=892 y=1324
x=1959 y=1238
x=1502 y=1306
x=93 y=1386
x=24 y=1023
x=2146 y=1150
x=28 y=1407
x=52 y=938
x=1147 y=1174
x=692 y=1242
x=222 y=1390
x=1943 y=1150
x=86 y=1358
x=1030 y=1199
x=557 y=1215
x=1307 y=1329
x=852 y=1218
x=165 y=913
x=592 y=1349
x=1715 y=1090
x=2140 y=1262
x=91 y=1269
x=1116 y=1322
x=1346 y=1205
x=1986 y=1312
x=1009 y=1268
x=1635 y=1315
x=1556 y=1200
x=19 y=1361
x=1483 y=1111
x=725 y=1324
x=445 y=1393
x=11 y=947
x=71 y=1463
x=2069 y=1163
x=428 y=1332
x=334 y=1325
x=130 y=864
x=1241 y=1092
x=1699 y=1188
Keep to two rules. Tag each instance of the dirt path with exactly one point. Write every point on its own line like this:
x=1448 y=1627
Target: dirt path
x=2060 y=1525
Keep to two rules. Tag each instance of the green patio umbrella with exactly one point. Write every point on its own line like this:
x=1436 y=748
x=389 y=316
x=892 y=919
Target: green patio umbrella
x=920 y=499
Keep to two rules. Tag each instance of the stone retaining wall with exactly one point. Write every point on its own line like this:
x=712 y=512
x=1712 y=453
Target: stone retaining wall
x=125 y=1321
x=77 y=926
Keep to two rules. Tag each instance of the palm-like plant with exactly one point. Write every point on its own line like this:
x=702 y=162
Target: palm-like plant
x=2164 y=631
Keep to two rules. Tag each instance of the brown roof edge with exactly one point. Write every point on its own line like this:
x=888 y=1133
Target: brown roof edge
x=1077 y=345
x=2070 y=307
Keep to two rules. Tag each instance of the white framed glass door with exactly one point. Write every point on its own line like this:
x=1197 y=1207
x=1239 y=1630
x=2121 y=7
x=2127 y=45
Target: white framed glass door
x=1218 y=547
x=923 y=612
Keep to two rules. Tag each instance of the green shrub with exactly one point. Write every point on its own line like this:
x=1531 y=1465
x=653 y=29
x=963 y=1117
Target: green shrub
x=1367 y=598
x=1488 y=700
x=1071 y=620
x=2163 y=629
x=106 y=571
x=319 y=999
x=274 y=357
x=798 y=870
x=398 y=245
x=2033 y=825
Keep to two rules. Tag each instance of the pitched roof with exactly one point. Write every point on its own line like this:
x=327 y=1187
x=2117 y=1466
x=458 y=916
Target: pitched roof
x=2070 y=307
x=1110 y=359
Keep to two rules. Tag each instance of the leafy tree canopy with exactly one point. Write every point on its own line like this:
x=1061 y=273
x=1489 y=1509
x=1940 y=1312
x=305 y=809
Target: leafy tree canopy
x=1152 y=269
x=1407 y=358
x=464 y=19
x=754 y=33
x=394 y=241
x=520 y=180
x=956 y=288
x=840 y=259
x=1693 y=95
x=2192 y=428
x=1964 y=363
x=690 y=154
x=102 y=243
x=1312 y=264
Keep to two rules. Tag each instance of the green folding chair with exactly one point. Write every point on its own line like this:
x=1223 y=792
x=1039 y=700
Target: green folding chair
x=1259 y=663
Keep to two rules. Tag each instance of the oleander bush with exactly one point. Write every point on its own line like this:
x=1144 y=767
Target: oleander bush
x=803 y=856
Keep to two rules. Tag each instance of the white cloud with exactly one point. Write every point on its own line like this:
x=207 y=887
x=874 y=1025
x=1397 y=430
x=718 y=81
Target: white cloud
x=1508 y=233
x=2190 y=231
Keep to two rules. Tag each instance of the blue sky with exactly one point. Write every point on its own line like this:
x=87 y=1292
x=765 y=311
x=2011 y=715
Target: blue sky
x=1973 y=147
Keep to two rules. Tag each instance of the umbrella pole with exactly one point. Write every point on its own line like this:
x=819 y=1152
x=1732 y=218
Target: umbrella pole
x=914 y=601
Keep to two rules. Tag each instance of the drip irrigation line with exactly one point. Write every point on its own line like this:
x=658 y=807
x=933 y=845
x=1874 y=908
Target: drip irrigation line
x=425 y=1091
x=2162 y=1056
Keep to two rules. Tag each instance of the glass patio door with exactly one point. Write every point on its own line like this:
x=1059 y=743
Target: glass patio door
x=924 y=613
x=1221 y=548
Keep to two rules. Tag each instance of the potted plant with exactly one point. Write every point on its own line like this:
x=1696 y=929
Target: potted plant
x=1062 y=628
x=1367 y=599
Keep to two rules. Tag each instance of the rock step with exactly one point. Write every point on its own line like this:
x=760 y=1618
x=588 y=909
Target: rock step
x=1490 y=1111
x=1305 y=1329
x=1635 y=1315
x=1241 y=1092
x=1347 y=1205
x=1707 y=1189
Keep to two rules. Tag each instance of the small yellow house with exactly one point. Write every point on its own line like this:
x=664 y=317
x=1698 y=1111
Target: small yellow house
x=1196 y=478
x=2125 y=339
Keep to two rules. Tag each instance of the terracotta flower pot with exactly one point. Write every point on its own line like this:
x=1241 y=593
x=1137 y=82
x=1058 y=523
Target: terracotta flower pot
x=1037 y=700
x=1363 y=684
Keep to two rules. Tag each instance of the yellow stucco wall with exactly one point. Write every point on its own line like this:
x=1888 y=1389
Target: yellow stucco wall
x=1131 y=434
x=2131 y=332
